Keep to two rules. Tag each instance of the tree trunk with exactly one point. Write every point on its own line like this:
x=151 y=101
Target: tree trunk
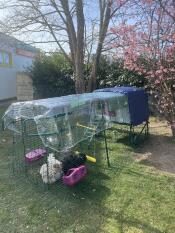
x=93 y=76
x=173 y=130
x=79 y=79
x=79 y=63
x=104 y=23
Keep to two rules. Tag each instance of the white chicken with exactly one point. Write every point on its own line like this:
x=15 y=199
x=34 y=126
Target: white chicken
x=52 y=170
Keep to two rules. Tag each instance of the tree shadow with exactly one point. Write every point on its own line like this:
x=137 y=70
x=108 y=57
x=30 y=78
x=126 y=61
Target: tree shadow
x=157 y=152
x=126 y=221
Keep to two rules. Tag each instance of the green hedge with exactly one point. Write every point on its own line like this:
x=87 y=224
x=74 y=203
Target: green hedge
x=52 y=76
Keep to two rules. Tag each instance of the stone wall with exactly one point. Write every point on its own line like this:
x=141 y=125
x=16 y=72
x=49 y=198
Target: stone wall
x=24 y=87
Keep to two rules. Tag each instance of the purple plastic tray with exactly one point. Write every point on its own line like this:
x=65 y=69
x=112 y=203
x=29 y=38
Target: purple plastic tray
x=34 y=155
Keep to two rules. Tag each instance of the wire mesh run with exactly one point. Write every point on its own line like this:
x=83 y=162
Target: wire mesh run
x=46 y=131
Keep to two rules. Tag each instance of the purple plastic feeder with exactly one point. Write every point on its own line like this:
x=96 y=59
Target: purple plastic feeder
x=74 y=175
x=34 y=155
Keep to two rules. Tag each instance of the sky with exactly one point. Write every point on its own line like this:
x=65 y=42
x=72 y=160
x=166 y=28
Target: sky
x=91 y=13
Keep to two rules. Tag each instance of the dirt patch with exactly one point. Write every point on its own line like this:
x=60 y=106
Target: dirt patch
x=159 y=150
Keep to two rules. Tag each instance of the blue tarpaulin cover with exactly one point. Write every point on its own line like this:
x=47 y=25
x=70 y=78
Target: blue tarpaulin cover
x=137 y=101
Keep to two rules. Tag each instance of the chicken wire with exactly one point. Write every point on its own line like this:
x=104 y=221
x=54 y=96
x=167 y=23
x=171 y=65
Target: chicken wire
x=63 y=122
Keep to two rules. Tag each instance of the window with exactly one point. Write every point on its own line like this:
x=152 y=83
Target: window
x=5 y=59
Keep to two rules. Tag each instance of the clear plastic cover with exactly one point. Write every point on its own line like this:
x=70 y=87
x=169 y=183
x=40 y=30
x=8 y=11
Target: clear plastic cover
x=62 y=122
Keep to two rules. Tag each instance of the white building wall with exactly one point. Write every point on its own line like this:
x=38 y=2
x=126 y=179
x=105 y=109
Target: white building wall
x=7 y=83
x=8 y=74
x=22 y=62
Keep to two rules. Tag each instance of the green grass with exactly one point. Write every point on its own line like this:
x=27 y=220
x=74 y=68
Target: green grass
x=127 y=197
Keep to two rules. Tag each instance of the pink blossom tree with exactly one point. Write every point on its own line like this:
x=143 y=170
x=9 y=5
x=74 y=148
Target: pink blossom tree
x=146 y=39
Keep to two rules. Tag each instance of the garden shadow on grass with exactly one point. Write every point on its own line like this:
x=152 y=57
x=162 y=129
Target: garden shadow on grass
x=125 y=223
x=157 y=152
x=125 y=139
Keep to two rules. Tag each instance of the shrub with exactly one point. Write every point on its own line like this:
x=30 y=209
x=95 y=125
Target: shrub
x=112 y=74
x=52 y=76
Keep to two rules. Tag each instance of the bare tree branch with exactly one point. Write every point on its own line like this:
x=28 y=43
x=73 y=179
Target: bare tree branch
x=63 y=23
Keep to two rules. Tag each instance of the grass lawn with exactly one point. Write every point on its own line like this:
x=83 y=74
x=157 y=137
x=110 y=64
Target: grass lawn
x=126 y=198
